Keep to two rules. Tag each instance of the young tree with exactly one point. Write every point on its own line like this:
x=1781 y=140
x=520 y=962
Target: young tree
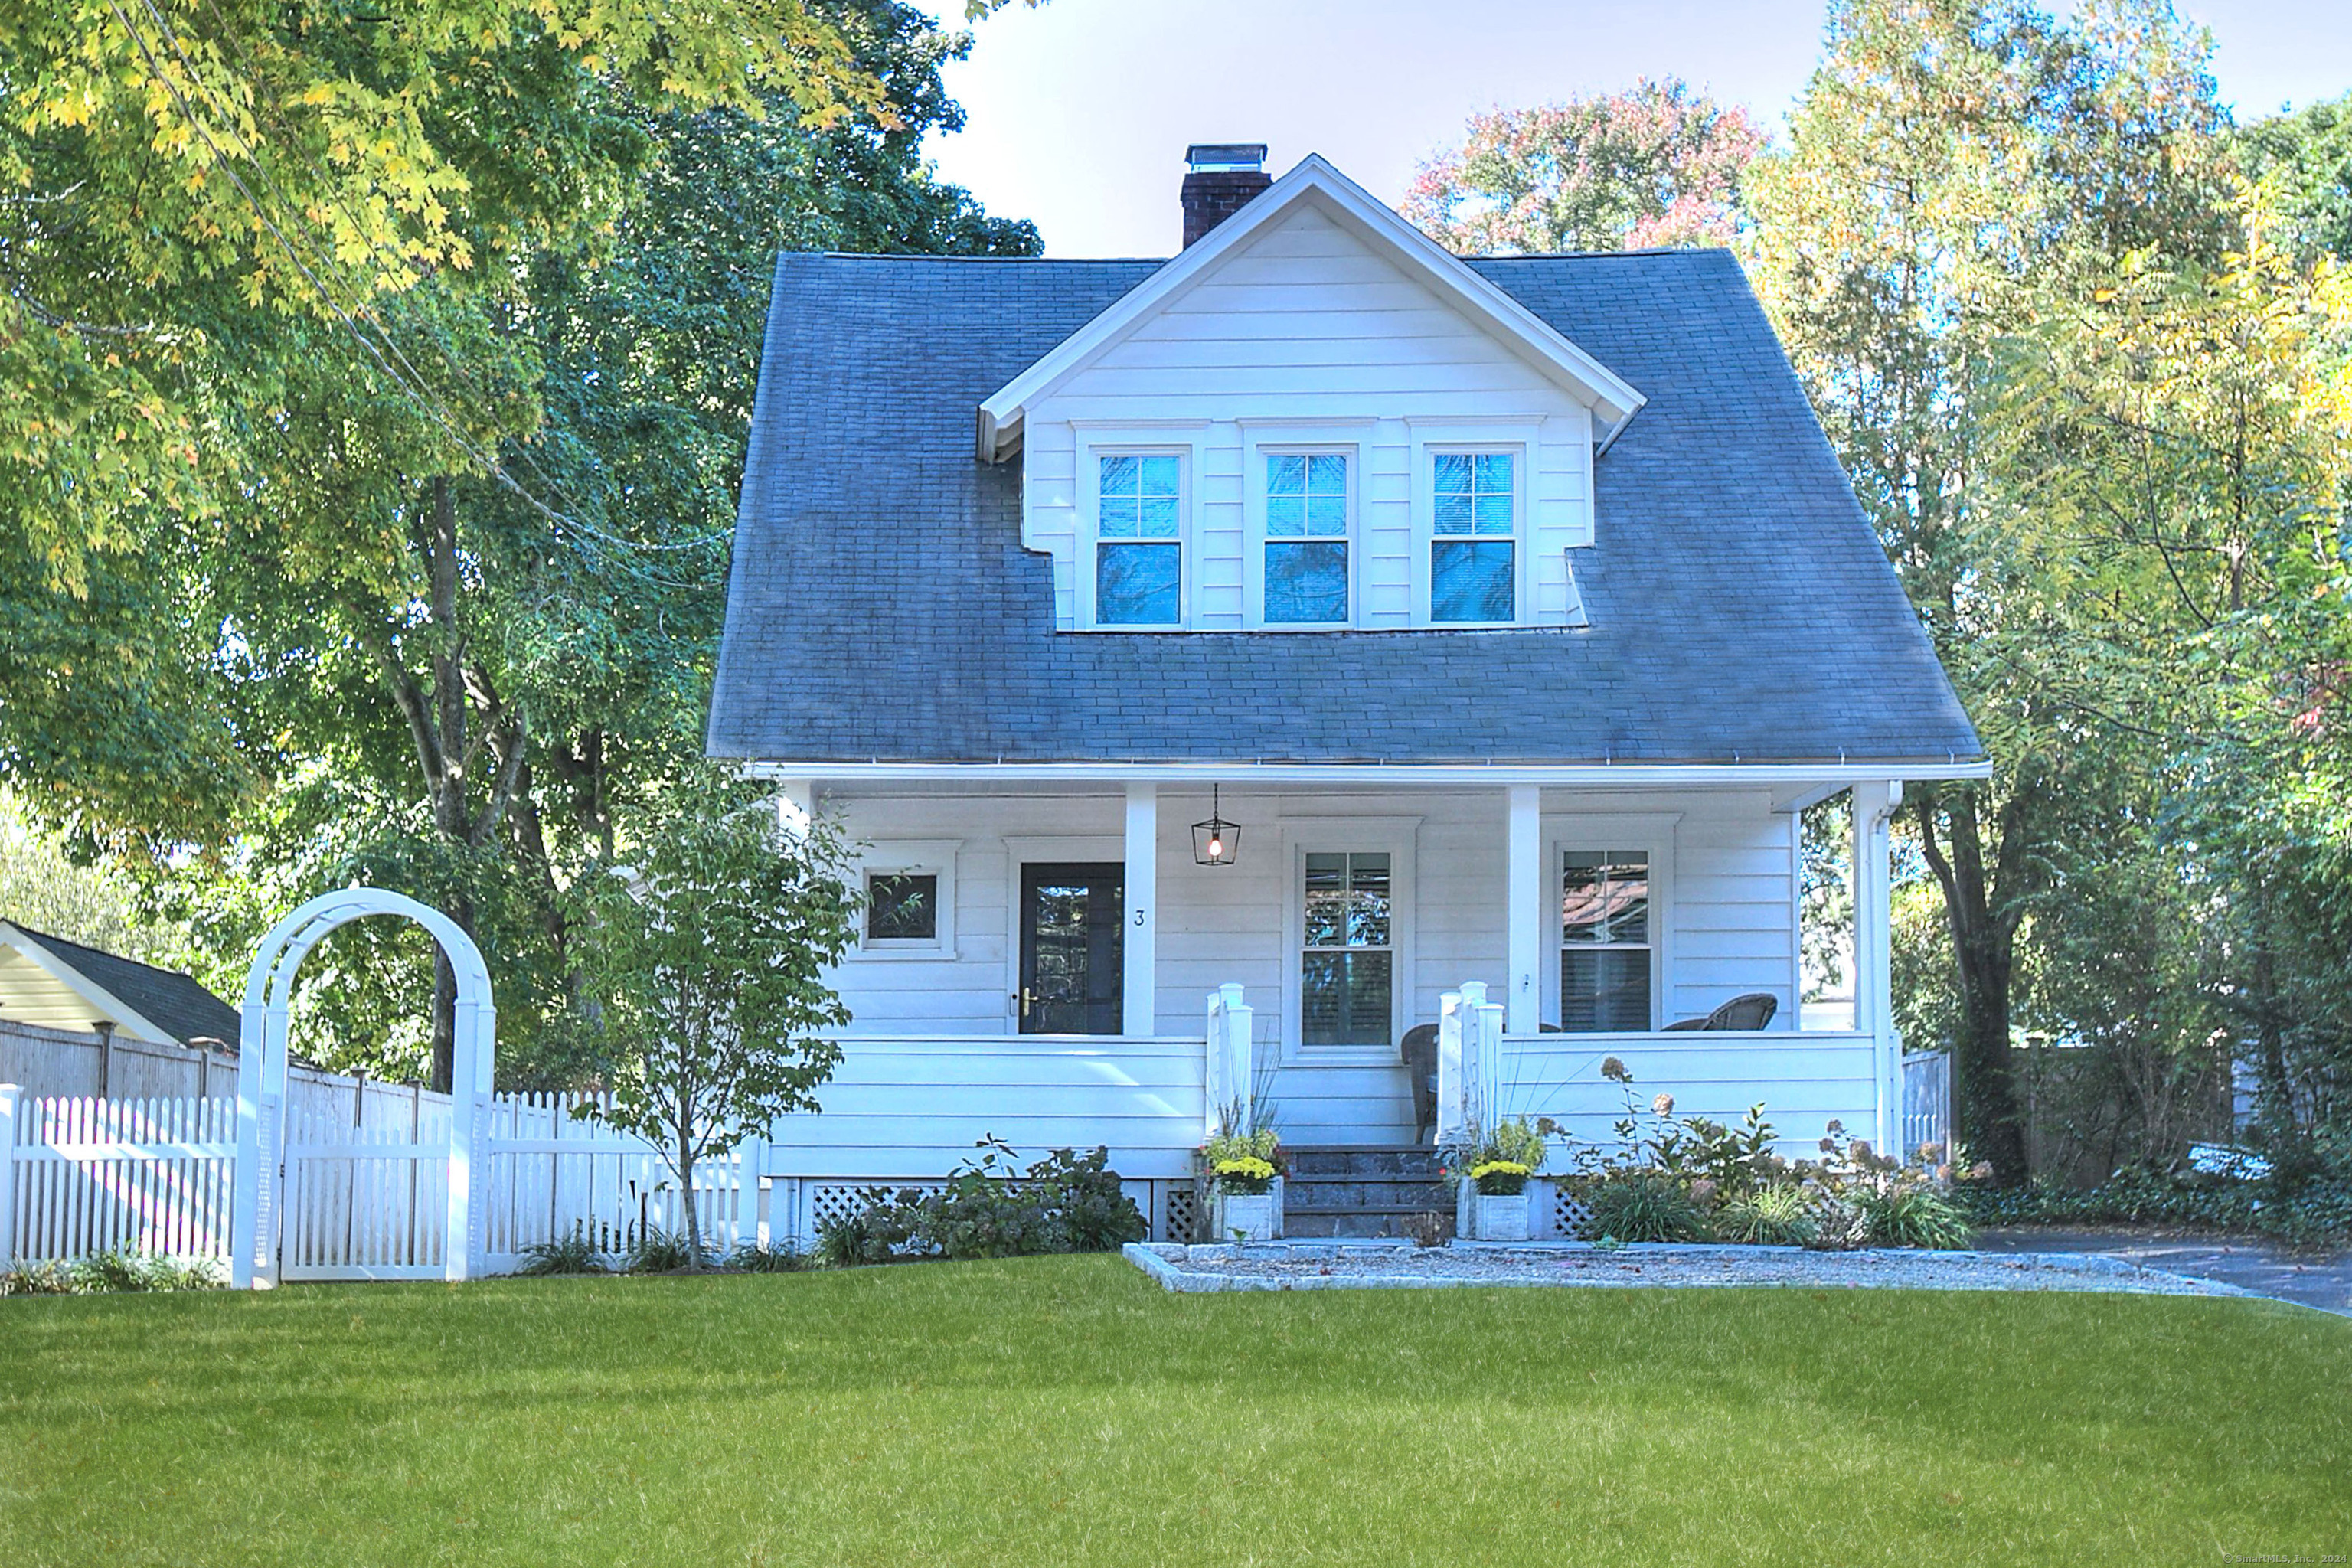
x=1655 y=165
x=705 y=957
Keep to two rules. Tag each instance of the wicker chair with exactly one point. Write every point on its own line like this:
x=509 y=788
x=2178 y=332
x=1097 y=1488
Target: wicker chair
x=1418 y=1049
x=1752 y=1011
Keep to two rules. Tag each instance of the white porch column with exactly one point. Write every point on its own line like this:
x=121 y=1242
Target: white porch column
x=1142 y=977
x=795 y=806
x=1873 y=1010
x=1524 y=896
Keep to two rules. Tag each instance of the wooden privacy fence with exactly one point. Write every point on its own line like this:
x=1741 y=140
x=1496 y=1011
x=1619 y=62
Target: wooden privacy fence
x=365 y=1182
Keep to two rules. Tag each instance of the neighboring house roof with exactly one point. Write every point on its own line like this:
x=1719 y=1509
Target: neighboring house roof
x=50 y=981
x=1418 y=256
x=881 y=605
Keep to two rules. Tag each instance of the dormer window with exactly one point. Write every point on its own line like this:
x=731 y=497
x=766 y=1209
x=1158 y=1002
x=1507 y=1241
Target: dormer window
x=1306 y=539
x=1138 y=539
x=1474 y=539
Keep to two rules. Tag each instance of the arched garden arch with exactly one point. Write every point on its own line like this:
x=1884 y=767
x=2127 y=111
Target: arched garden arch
x=257 y=1208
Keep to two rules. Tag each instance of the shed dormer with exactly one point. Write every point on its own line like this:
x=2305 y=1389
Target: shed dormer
x=1315 y=418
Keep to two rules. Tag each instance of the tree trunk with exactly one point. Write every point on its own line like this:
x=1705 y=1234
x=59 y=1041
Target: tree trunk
x=1982 y=915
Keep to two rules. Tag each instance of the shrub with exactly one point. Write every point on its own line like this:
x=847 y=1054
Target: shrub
x=1769 y=1216
x=659 y=1251
x=573 y=1254
x=1065 y=1201
x=752 y=1258
x=1644 y=1206
x=1500 y=1160
x=117 y=1270
x=1915 y=1215
x=1840 y=1223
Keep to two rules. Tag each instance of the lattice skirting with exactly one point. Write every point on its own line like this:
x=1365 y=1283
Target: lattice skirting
x=800 y=1207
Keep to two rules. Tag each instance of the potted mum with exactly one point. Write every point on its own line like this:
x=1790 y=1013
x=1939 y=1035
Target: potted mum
x=1499 y=1168
x=1245 y=1176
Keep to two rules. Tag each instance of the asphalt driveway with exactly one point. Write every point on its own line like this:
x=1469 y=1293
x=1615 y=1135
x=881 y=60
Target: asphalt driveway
x=2314 y=1280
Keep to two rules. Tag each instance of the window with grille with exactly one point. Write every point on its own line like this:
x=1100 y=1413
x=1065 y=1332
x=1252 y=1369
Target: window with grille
x=1138 y=539
x=1473 y=544
x=1605 y=941
x=1305 y=538
x=1348 y=962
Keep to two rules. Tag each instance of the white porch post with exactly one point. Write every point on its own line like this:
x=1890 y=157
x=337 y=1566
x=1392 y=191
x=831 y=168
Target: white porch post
x=1873 y=1010
x=795 y=806
x=1141 y=978
x=1523 y=998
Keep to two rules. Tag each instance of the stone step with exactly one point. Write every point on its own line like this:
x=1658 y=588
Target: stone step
x=1410 y=1162
x=1434 y=1225
x=1311 y=1194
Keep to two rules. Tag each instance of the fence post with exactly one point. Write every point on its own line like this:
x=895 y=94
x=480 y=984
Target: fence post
x=11 y=1097
x=1453 y=1089
x=1228 y=1069
x=1487 y=1021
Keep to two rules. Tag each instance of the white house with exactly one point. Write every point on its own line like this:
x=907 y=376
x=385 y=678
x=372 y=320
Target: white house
x=1323 y=616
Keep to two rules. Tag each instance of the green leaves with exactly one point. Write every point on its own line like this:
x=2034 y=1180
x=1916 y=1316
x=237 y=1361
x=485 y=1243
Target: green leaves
x=704 y=954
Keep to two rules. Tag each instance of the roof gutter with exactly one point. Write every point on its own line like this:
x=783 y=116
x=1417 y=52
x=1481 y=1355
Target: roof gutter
x=1587 y=775
x=1614 y=431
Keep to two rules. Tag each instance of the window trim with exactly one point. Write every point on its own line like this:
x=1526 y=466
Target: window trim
x=1263 y=439
x=1650 y=832
x=910 y=857
x=1135 y=442
x=1521 y=438
x=1398 y=838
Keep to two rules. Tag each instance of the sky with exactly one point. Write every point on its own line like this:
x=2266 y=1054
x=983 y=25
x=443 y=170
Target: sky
x=1078 y=112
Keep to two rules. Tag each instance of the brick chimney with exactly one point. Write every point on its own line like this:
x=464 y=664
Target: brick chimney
x=1220 y=179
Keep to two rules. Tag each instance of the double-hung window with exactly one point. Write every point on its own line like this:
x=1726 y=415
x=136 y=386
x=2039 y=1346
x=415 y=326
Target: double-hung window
x=1138 y=539
x=1346 y=969
x=1306 y=539
x=1604 y=941
x=1474 y=545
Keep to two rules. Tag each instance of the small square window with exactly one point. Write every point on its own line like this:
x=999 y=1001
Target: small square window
x=902 y=906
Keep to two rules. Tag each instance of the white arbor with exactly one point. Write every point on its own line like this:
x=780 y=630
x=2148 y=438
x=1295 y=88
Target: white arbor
x=256 y=1215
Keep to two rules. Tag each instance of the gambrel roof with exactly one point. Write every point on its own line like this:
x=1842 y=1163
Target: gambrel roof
x=881 y=606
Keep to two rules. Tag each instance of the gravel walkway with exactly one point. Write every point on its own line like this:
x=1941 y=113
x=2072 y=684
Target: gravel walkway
x=1384 y=1265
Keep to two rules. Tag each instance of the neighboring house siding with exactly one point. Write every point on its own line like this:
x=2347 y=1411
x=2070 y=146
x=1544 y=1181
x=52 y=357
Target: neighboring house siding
x=1308 y=326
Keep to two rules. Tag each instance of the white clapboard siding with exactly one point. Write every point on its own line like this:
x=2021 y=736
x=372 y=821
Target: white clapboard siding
x=1727 y=926
x=1803 y=1081
x=1305 y=323
x=913 y=1108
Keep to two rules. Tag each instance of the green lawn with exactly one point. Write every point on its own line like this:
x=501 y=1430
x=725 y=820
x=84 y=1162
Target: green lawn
x=1065 y=1411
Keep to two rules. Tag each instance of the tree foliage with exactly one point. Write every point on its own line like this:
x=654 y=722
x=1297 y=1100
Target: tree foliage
x=705 y=954
x=1657 y=165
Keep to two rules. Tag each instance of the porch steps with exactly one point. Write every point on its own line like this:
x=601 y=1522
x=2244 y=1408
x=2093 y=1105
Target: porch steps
x=1363 y=1190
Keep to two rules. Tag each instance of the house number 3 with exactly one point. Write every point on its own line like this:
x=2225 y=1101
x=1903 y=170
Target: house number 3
x=1139 y=917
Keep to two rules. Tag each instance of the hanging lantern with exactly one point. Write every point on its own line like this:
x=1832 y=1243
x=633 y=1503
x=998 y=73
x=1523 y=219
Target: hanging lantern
x=1215 y=842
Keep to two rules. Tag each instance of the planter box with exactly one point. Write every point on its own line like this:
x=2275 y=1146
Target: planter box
x=1257 y=1215
x=1502 y=1219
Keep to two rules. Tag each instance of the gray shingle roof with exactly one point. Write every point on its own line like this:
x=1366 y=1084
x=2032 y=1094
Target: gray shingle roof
x=170 y=1001
x=881 y=606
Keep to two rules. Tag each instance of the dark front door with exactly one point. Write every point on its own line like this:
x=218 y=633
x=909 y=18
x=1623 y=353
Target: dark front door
x=1071 y=951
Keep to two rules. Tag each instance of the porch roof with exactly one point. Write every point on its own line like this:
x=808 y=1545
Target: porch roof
x=881 y=606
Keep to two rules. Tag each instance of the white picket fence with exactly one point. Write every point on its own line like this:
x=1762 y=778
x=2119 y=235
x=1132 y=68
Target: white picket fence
x=366 y=1179
x=1927 y=1102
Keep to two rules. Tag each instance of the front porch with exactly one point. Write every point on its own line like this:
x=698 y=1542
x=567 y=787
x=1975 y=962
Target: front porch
x=1049 y=959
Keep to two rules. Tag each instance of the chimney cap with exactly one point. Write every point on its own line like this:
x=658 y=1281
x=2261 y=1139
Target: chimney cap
x=1205 y=157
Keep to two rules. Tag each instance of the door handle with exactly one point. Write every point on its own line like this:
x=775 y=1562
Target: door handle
x=1028 y=999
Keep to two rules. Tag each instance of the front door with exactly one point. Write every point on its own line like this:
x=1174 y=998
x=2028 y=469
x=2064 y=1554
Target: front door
x=1071 y=957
